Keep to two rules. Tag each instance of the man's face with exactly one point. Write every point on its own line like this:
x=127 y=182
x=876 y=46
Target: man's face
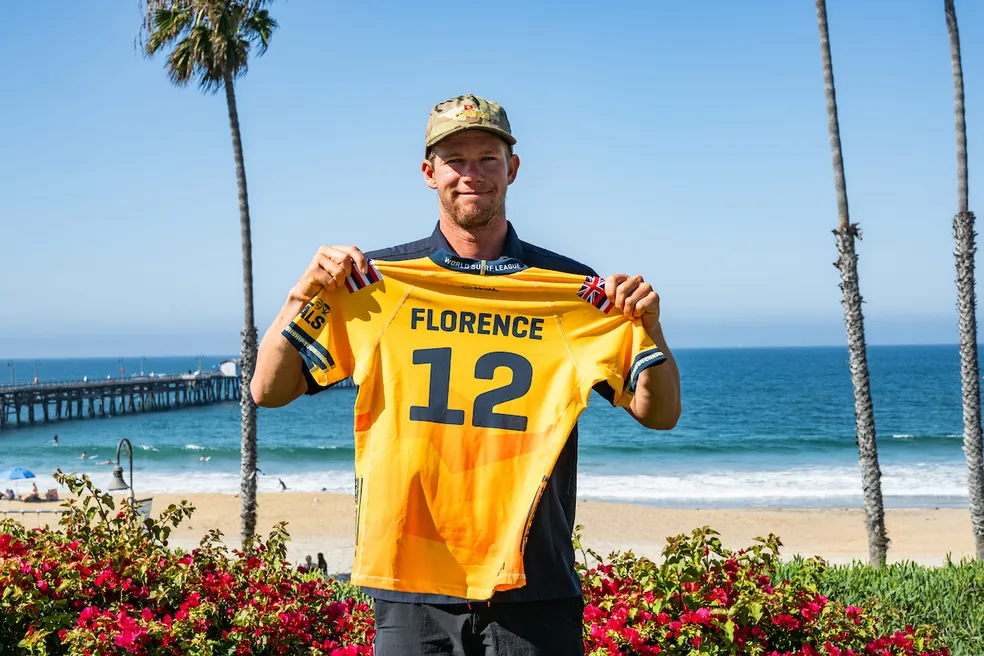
x=471 y=171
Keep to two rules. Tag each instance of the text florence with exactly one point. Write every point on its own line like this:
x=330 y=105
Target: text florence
x=480 y=323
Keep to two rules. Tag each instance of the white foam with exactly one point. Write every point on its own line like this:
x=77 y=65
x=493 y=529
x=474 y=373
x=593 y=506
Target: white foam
x=804 y=484
x=932 y=483
x=228 y=482
x=194 y=447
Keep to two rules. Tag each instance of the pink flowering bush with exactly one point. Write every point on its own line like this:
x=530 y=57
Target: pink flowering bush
x=107 y=583
x=705 y=599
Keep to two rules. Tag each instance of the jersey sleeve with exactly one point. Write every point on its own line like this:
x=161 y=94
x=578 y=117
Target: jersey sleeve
x=337 y=331
x=610 y=348
x=637 y=352
x=319 y=333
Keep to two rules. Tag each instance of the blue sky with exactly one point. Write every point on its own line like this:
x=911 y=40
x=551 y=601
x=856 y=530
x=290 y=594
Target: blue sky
x=684 y=141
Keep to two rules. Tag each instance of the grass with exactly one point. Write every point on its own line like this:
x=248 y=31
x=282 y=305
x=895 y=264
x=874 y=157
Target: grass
x=949 y=597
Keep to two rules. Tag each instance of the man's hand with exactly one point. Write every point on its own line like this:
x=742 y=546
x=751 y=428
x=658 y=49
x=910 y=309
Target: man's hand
x=328 y=268
x=278 y=378
x=632 y=296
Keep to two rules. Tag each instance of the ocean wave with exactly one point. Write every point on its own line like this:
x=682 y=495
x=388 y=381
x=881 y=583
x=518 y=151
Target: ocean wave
x=840 y=486
x=228 y=482
x=811 y=485
x=166 y=453
x=702 y=444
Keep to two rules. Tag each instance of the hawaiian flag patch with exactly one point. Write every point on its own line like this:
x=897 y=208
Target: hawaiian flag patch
x=593 y=291
x=357 y=280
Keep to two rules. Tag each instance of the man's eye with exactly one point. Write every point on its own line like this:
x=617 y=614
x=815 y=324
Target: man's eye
x=490 y=158
x=453 y=160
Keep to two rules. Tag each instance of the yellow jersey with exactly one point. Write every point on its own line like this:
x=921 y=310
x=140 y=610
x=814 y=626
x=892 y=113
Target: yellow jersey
x=468 y=388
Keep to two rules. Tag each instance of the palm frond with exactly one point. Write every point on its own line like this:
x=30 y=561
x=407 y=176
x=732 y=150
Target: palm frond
x=168 y=26
x=261 y=28
x=181 y=63
x=209 y=39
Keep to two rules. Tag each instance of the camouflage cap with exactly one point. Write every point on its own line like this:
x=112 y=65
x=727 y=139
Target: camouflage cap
x=469 y=112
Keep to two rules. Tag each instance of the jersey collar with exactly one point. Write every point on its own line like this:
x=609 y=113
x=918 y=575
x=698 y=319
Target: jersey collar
x=509 y=261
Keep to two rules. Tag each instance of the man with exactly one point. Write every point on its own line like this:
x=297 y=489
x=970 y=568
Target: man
x=470 y=164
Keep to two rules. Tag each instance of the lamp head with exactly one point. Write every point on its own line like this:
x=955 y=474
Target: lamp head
x=118 y=483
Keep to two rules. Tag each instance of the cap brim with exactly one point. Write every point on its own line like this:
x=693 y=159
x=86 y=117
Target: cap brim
x=511 y=140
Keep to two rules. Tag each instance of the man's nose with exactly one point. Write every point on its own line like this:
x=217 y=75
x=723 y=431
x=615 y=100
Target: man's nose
x=471 y=170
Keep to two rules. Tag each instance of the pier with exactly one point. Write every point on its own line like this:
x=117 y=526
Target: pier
x=30 y=403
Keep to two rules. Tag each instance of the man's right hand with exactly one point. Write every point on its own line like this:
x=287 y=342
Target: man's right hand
x=279 y=378
x=328 y=269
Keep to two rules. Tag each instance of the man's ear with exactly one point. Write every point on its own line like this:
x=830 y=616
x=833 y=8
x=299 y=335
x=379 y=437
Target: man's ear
x=513 y=167
x=428 y=170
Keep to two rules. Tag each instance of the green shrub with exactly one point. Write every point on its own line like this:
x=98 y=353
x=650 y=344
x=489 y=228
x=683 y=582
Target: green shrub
x=949 y=597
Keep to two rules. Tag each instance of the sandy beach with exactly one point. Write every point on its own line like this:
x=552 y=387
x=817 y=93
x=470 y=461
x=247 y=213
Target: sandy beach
x=323 y=522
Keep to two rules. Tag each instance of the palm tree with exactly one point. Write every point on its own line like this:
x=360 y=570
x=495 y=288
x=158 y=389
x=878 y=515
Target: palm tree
x=847 y=263
x=963 y=235
x=209 y=41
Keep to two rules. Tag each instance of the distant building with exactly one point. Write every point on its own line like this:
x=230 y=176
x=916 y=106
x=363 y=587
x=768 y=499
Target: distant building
x=230 y=368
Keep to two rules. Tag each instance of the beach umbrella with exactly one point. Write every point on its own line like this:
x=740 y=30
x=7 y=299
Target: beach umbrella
x=17 y=473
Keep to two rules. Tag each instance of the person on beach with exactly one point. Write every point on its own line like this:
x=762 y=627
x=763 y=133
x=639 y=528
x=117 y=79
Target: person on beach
x=469 y=162
x=55 y=439
x=322 y=564
x=283 y=486
x=34 y=495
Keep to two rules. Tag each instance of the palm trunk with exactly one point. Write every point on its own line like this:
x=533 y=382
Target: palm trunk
x=847 y=263
x=963 y=235
x=247 y=491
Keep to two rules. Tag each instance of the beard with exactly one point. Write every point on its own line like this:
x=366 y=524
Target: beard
x=473 y=218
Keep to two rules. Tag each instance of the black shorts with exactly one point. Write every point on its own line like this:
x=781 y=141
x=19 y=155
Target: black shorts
x=522 y=628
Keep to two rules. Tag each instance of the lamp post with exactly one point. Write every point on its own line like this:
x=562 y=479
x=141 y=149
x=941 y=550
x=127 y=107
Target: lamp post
x=37 y=363
x=10 y=363
x=118 y=483
x=122 y=369
x=142 y=358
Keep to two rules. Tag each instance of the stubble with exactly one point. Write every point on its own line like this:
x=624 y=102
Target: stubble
x=473 y=219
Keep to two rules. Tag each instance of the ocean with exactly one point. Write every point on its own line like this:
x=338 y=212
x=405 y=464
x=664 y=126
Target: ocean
x=760 y=428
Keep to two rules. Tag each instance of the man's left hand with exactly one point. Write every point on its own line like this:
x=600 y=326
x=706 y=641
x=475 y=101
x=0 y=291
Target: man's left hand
x=632 y=296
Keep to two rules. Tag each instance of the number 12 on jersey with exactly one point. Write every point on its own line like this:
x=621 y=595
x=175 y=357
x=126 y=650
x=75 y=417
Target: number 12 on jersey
x=483 y=411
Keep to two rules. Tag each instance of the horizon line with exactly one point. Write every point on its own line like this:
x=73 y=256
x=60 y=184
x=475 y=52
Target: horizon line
x=4 y=358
